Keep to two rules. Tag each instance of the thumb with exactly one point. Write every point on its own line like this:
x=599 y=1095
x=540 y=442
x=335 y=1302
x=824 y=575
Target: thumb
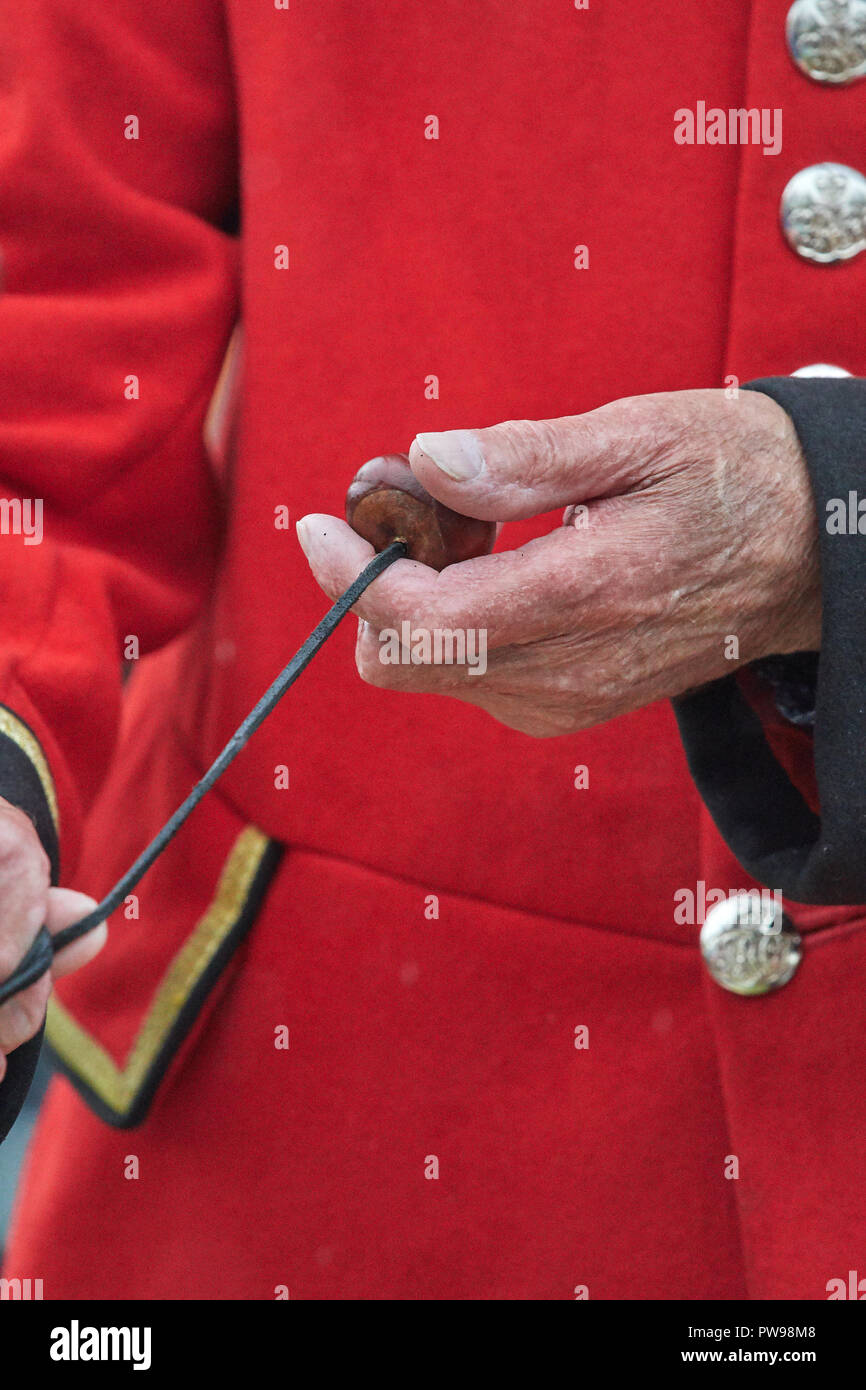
x=524 y=467
x=65 y=906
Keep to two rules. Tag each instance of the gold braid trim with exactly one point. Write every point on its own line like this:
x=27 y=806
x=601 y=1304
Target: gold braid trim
x=77 y=1049
x=18 y=732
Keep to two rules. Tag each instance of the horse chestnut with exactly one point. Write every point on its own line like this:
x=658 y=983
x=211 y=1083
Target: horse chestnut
x=386 y=502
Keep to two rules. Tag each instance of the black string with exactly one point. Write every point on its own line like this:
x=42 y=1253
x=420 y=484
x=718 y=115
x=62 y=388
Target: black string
x=38 y=958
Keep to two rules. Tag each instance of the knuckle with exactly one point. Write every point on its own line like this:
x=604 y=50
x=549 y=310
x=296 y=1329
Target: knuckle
x=531 y=443
x=540 y=726
x=535 y=451
x=42 y=869
x=21 y=848
x=35 y=875
x=15 y=942
x=28 y=1017
x=541 y=721
x=546 y=439
x=16 y=831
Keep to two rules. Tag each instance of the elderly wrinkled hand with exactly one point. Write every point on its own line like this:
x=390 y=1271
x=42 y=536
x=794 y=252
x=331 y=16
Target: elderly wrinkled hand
x=689 y=546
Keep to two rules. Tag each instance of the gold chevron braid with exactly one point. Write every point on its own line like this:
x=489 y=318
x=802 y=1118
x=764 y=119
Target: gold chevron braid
x=117 y=1086
x=18 y=732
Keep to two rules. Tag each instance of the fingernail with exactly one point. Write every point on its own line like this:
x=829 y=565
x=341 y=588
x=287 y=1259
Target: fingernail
x=99 y=936
x=456 y=452
x=302 y=531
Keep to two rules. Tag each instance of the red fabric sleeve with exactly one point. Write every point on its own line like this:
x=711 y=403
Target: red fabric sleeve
x=114 y=266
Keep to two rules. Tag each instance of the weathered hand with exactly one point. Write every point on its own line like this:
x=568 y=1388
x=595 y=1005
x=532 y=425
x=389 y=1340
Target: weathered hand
x=26 y=902
x=693 y=548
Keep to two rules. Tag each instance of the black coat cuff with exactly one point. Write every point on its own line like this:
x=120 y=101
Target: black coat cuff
x=25 y=780
x=760 y=813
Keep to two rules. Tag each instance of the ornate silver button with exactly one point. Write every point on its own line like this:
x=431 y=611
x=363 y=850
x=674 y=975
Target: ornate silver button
x=823 y=212
x=749 y=945
x=827 y=39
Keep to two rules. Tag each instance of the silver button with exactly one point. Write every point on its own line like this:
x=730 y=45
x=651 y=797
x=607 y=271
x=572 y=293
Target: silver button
x=821 y=369
x=824 y=212
x=827 y=39
x=749 y=945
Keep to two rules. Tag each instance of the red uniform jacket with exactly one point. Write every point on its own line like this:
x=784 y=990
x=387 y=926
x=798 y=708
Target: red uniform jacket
x=446 y=1034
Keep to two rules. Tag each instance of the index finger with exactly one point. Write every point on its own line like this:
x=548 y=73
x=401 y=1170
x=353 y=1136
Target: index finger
x=515 y=595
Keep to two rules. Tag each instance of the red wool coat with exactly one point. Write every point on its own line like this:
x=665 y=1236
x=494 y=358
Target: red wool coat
x=382 y=1091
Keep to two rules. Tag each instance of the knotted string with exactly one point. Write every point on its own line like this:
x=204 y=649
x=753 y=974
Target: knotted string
x=45 y=947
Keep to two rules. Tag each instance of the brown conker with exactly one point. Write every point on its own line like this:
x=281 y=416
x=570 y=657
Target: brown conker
x=385 y=502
